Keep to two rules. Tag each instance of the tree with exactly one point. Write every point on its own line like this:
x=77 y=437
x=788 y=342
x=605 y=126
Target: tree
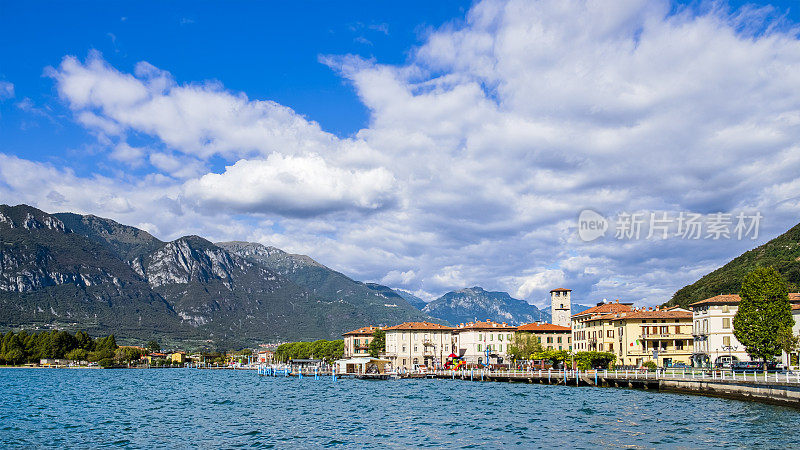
x=788 y=341
x=378 y=344
x=77 y=354
x=595 y=360
x=524 y=346
x=764 y=313
x=154 y=346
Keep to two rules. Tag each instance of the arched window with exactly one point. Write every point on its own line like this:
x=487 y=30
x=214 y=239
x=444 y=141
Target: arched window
x=416 y=361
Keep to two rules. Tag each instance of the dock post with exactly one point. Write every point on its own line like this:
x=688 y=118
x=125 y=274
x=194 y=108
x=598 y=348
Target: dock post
x=548 y=376
x=595 y=378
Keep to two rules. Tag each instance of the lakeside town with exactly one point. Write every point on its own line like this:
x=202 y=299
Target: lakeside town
x=610 y=334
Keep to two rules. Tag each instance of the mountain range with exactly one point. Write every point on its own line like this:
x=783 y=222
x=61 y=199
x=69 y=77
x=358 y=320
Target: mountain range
x=475 y=303
x=85 y=272
x=73 y=271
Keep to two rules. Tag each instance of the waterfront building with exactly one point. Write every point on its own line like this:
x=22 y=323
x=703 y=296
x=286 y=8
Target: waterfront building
x=561 y=306
x=793 y=360
x=178 y=357
x=714 y=341
x=552 y=337
x=593 y=329
x=483 y=342
x=663 y=336
x=414 y=344
x=356 y=342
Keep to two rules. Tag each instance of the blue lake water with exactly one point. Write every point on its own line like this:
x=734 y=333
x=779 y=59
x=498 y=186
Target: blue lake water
x=211 y=409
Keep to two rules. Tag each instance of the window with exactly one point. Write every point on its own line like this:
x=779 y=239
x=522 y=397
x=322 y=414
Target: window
x=664 y=330
x=549 y=339
x=562 y=306
x=559 y=341
x=416 y=361
x=480 y=337
x=404 y=361
x=726 y=323
x=611 y=347
x=678 y=345
x=357 y=342
x=404 y=349
x=539 y=339
x=499 y=337
x=499 y=347
x=508 y=336
x=479 y=347
x=415 y=349
x=610 y=333
x=726 y=341
x=677 y=329
x=491 y=337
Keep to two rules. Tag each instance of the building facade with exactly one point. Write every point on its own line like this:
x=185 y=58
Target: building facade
x=561 y=306
x=415 y=344
x=552 y=337
x=593 y=329
x=483 y=342
x=714 y=341
x=356 y=342
x=661 y=336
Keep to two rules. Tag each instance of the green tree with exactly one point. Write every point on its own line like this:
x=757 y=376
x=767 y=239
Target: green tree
x=77 y=354
x=524 y=346
x=764 y=313
x=154 y=346
x=595 y=360
x=378 y=343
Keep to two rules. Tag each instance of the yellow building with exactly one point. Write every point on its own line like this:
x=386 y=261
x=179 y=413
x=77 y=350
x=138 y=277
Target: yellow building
x=593 y=329
x=661 y=336
x=178 y=357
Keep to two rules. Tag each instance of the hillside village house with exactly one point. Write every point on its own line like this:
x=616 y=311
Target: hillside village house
x=356 y=342
x=483 y=342
x=414 y=344
x=593 y=329
x=552 y=337
x=714 y=342
x=661 y=336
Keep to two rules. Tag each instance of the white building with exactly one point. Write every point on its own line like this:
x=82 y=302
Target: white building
x=714 y=342
x=414 y=344
x=483 y=342
x=561 y=306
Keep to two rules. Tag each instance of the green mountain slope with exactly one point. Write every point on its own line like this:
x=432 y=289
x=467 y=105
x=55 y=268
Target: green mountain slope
x=371 y=307
x=782 y=253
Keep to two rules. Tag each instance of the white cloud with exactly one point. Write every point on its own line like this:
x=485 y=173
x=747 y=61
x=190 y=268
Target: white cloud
x=291 y=185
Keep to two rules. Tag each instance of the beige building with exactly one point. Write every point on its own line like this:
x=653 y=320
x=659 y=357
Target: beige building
x=552 y=337
x=414 y=344
x=593 y=329
x=356 y=342
x=561 y=306
x=714 y=342
x=483 y=342
x=661 y=336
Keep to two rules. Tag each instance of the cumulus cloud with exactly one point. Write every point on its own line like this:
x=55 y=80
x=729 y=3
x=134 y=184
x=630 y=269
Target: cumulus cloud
x=291 y=185
x=481 y=149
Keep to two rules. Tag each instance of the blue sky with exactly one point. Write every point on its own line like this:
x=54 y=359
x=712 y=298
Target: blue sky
x=425 y=145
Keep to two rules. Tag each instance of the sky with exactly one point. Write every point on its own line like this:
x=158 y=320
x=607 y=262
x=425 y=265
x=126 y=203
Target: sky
x=428 y=146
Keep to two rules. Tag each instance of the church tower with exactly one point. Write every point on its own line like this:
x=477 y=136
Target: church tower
x=561 y=306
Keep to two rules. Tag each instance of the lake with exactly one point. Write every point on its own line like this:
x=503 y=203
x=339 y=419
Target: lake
x=215 y=408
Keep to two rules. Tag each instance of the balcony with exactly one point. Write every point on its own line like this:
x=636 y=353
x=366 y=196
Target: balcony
x=666 y=336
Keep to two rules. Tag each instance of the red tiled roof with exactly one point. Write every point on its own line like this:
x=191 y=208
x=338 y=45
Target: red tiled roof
x=488 y=325
x=605 y=308
x=362 y=330
x=419 y=326
x=732 y=299
x=561 y=290
x=543 y=327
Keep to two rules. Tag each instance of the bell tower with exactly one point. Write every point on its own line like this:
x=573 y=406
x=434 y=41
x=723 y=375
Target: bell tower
x=561 y=306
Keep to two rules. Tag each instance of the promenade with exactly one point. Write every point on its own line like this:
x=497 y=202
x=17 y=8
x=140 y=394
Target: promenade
x=780 y=388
